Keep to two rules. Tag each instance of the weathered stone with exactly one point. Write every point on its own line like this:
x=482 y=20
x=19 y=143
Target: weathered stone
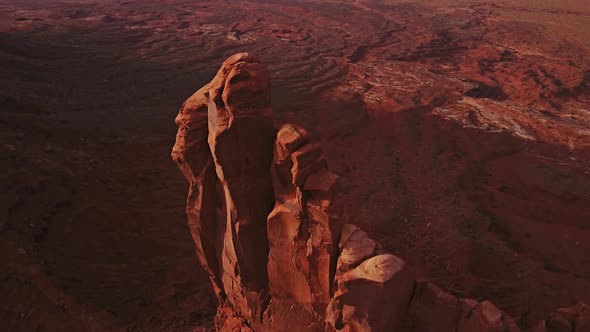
x=299 y=234
x=374 y=296
x=355 y=246
x=241 y=138
x=191 y=154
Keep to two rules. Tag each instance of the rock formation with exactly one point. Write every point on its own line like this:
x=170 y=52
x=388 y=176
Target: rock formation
x=224 y=148
x=259 y=210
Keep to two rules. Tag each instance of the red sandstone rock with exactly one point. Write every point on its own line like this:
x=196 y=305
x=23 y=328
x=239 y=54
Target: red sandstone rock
x=231 y=193
x=355 y=246
x=288 y=264
x=299 y=234
x=192 y=155
x=228 y=321
x=241 y=140
x=373 y=296
x=373 y=290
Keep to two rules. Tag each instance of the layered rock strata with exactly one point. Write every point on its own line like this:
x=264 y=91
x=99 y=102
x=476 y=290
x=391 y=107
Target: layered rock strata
x=279 y=259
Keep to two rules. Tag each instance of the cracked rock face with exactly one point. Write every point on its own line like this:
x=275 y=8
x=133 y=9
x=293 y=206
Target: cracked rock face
x=279 y=259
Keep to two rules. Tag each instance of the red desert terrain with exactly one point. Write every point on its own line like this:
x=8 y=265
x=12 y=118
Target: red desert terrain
x=459 y=130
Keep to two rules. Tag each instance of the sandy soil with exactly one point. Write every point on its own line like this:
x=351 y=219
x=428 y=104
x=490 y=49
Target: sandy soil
x=460 y=130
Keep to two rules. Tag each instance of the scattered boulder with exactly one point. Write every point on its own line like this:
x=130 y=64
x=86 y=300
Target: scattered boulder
x=374 y=296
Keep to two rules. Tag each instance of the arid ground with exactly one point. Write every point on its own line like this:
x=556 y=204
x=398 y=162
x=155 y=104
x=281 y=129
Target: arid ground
x=460 y=131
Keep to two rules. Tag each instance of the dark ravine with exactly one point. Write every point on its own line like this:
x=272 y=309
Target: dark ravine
x=299 y=266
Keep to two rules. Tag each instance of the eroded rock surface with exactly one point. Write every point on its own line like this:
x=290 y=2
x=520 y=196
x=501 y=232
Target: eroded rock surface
x=300 y=233
x=260 y=213
x=224 y=148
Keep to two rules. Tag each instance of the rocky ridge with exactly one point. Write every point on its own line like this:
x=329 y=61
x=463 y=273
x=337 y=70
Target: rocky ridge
x=278 y=255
